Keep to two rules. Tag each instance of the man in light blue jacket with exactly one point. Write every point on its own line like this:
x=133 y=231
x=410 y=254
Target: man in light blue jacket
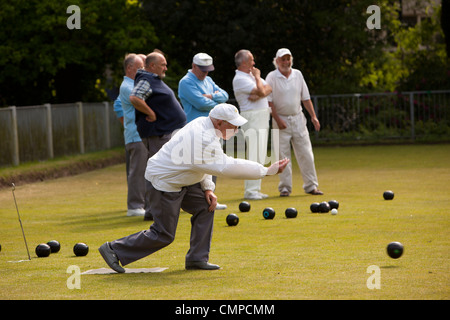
x=136 y=150
x=199 y=94
x=197 y=91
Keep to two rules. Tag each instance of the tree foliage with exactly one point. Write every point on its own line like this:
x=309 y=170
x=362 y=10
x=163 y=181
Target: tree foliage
x=416 y=58
x=326 y=37
x=44 y=61
x=329 y=39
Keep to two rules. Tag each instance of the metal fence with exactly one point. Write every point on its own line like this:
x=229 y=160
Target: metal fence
x=379 y=116
x=35 y=133
x=47 y=131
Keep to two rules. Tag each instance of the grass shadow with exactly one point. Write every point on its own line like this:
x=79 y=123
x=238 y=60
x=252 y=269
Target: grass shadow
x=389 y=267
x=112 y=219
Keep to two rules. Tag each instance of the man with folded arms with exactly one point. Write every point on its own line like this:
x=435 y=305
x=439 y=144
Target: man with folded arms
x=251 y=91
x=199 y=93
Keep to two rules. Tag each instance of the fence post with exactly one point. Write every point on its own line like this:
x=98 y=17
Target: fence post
x=80 y=126
x=48 y=108
x=411 y=110
x=15 y=136
x=107 y=130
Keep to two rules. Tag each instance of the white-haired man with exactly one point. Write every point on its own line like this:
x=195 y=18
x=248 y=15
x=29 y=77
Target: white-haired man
x=289 y=91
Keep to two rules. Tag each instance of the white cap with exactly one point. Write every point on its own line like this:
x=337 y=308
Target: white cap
x=228 y=113
x=282 y=52
x=204 y=62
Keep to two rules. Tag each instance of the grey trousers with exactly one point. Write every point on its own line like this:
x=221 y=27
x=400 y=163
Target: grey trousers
x=165 y=207
x=153 y=144
x=138 y=156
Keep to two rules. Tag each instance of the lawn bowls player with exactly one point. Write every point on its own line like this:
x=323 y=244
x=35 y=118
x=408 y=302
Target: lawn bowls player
x=179 y=177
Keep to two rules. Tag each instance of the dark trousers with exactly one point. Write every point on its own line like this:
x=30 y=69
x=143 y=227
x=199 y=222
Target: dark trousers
x=136 y=164
x=153 y=144
x=165 y=207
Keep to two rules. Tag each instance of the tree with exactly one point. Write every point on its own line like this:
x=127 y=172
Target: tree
x=42 y=60
x=414 y=58
x=327 y=37
x=445 y=24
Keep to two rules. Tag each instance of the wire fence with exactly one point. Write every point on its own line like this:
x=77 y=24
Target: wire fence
x=37 y=133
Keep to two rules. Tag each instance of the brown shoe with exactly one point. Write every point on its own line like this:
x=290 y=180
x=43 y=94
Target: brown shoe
x=316 y=192
x=284 y=194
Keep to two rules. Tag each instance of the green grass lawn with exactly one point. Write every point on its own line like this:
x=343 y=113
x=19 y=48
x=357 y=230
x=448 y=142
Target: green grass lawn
x=314 y=256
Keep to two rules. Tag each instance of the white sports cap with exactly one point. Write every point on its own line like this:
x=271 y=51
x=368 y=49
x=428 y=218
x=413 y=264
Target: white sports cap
x=204 y=62
x=282 y=52
x=228 y=113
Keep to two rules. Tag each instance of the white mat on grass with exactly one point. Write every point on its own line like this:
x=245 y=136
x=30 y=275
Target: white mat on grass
x=138 y=270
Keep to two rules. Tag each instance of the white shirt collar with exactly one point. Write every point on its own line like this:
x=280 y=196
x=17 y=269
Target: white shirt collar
x=280 y=75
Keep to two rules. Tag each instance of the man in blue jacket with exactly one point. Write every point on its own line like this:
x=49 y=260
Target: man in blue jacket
x=197 y=91
x=137 y=154
x=199 y=94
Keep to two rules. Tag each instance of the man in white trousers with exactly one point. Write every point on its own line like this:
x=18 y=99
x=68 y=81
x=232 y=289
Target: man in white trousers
x=179 y=176
x=289 y=91
x=251 y=92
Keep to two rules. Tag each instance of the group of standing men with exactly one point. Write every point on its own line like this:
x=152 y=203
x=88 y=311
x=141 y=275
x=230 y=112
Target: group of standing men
x=280 y=95
x=156 y=125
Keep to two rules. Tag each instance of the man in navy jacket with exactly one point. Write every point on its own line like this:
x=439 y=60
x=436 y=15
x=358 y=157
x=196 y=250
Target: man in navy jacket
x=158 y=112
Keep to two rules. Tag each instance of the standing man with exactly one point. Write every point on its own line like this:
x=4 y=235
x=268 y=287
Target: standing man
x=158 y=112
x=197 y=91
x=251 y=92
x=199 y=94
x=119 y=114
x=178 y=182
x=289 y=90
x=136 y=151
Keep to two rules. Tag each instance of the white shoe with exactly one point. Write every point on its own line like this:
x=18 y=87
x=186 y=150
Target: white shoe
x=221 y=206
x=135 y=212
x=255 y=196
x=263 y=195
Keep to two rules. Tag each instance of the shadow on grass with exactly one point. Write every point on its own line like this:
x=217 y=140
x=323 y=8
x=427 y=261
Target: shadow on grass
x=389 y=267
x=105 y=220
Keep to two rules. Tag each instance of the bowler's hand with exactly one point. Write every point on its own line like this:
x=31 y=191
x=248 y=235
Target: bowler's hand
x=211 y=198
x=278 y=167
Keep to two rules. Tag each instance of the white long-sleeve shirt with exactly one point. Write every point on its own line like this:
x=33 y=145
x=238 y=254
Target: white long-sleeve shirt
x=194 y=154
